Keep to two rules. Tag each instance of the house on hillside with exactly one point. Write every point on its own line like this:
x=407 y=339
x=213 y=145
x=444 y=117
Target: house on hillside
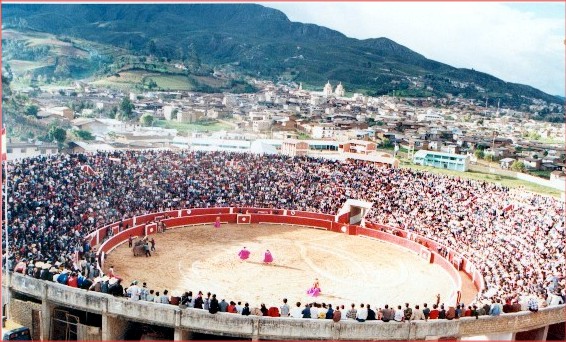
x=99 y=126
x=531 y=163
x=19 y=150
x=293 y=147
x=357 y=146
x=506 y=163
x=442 y=160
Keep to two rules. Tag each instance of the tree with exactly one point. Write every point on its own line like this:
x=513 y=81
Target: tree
x=146 y=119
x=31 y=110
x=386 y=143
x=126 y=109
x=85 y=135
x=174 y=114
x=479 y=154
x=489 y=157
x=518 y=166
x=112 y=113
x=58 y=134
x=151 y=48
x=151 y=84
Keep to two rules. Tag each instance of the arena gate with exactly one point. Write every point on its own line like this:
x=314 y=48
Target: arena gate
x=354 y=212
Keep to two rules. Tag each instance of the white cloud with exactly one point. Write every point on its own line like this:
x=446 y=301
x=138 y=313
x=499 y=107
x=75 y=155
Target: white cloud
x=512 y=44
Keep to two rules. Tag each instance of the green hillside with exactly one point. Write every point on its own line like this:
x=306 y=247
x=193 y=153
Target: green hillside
x=263 y=42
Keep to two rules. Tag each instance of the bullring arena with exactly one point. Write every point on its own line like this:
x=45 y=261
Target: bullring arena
x=420 y=234
x=351 y=269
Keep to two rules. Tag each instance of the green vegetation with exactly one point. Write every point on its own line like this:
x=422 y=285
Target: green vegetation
x=246 y=39
x=126 y=109
x=186 y=128
x=57 y=134
x=82 y=134
x=554 y=141
x=386 y=144
x=146 y=120
x=503 y=180
x=31 y=110
x=518 y=166
x=540 y=173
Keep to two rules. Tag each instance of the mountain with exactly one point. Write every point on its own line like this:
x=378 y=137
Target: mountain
x=263 y=42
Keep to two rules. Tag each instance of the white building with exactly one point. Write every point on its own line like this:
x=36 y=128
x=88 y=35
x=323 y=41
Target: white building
x=168 y=112
x=327 y=91
x=340 y=91
x=430 y=116
x=21 y=150
x=323 y=131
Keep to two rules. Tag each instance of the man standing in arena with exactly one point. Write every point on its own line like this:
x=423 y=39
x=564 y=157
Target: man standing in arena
x=146 y=249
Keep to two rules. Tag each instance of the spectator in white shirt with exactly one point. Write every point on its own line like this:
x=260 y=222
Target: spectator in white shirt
x=297 y=312
x=362 y=313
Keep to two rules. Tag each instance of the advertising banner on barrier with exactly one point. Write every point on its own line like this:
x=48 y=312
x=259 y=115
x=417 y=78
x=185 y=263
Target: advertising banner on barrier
x=151 y=229
x=244 y=218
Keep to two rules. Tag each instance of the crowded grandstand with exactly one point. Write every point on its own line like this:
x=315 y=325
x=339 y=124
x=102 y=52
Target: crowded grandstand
x=515 y=238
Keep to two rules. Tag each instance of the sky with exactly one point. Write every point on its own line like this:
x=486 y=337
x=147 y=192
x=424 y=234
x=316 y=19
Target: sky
x=517 y=42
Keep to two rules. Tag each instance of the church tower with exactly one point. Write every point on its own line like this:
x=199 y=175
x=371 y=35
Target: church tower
x=327 y=90
x=340 y=91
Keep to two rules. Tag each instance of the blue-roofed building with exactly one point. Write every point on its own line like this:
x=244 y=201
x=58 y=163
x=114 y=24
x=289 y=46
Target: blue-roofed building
x=449 y=161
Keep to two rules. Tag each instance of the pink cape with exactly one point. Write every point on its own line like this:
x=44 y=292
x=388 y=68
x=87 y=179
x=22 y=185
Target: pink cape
x=313 y=291
x=244 y=254
x=268 y=257
x=217 y=224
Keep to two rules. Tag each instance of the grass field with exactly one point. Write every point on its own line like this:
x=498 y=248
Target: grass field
x=503 y=180
x=172 y=82
x=186 y=128
x=21 y=67
x=557 y=141
x=129 y=79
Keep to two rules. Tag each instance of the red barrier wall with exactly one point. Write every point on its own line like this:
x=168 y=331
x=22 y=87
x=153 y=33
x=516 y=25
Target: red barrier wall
x=411 y=245
x=209 y=215
x=302 y=221
x=204 y=211
x=121 y=237
x=198 y=219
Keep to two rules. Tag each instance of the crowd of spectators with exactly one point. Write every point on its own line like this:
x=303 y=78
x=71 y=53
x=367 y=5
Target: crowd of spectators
x=515 y=238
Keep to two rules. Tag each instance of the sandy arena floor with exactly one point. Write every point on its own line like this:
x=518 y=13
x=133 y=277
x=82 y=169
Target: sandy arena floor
x=350 y=269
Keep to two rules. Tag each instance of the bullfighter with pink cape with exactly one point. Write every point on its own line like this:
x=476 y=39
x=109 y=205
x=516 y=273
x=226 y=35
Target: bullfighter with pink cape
x=217 y=222
x=315 y=289
x=244 y=254
x=267 y=257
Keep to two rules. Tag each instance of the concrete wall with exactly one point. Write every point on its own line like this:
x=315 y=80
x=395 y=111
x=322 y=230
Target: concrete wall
x=118 y=312
x=21 y=311
x=555 y=184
